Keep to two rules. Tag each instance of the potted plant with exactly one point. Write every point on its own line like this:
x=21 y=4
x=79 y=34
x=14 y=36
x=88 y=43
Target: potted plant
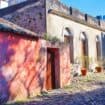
x=84 y=71
x=85 y=63
x=98 y=68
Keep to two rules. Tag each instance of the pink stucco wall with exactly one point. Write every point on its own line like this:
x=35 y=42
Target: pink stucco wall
x=65 y=66
x=62 y=63
x=23 y=65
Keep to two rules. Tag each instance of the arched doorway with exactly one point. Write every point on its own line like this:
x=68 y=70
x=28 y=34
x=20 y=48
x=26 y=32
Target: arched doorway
x=98 y=47
x=68 y=38
x=84 y=49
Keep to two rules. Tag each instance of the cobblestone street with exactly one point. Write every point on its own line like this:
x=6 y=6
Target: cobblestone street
x=89 y=90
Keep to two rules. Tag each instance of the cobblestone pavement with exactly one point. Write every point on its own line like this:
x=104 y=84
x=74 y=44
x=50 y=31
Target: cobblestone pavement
x=89 y=90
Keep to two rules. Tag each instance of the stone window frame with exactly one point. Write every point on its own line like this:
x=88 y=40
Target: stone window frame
x=69 y=35
x=98 y=47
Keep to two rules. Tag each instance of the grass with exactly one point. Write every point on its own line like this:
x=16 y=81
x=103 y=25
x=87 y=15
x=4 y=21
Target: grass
x=81 y=82
x=78 y=84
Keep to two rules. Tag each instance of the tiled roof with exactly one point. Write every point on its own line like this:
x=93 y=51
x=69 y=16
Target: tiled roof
x=6 y=26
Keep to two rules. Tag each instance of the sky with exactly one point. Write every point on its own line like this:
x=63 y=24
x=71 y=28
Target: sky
x=92 y=7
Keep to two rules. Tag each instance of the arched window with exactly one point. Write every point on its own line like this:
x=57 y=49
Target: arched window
x=84 y=44
x=84 y=48
x=67 y=35
x=98 y=47
x=68 y=38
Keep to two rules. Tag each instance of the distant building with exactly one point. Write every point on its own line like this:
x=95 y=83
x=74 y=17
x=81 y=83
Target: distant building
x=104 y=17
x=6 y=3
x=101 y=17
x=3 y=4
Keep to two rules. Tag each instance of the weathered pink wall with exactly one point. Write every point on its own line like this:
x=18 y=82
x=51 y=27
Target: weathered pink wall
x=65 y=65
x=62 y=63
x=23 y=64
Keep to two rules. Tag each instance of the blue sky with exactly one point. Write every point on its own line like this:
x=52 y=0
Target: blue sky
x=92 y=7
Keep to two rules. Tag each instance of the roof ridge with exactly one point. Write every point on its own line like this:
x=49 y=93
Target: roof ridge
x=11 y=27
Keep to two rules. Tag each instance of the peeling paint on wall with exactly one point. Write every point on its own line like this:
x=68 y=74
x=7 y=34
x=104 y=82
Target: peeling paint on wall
x=22 y=65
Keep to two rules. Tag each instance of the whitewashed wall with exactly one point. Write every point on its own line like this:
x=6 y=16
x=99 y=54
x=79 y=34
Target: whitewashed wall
x=56 y=25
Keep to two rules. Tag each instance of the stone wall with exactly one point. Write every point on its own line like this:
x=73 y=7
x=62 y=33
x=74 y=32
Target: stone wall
x=57 y=5
x=31 y=16
x=93 y=20
x=77 y=13
x=102 y=24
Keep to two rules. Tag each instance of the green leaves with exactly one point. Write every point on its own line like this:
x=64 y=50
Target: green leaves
x=51 y=38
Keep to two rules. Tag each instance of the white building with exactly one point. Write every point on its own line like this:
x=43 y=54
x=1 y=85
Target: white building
x=3 y=4
x=6 y=3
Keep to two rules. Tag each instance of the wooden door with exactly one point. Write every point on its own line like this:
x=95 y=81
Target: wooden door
x=50 y=77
